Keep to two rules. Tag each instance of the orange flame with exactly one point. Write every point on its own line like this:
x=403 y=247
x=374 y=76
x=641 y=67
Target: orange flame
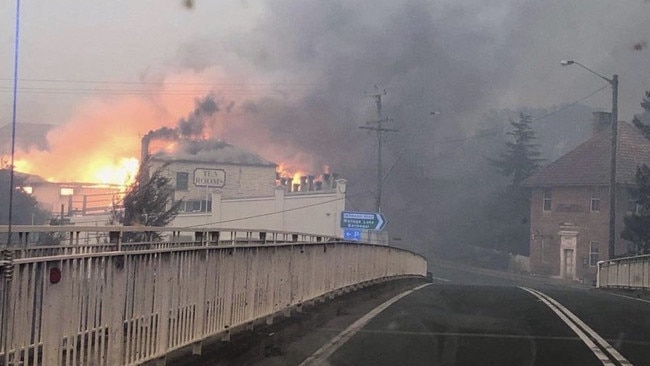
x=101 y=142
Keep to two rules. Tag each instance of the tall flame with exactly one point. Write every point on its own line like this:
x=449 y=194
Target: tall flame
x=102 y=140
x=123 y=173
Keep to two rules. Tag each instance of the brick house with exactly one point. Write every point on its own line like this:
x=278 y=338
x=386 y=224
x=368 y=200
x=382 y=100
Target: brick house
x=569 y=208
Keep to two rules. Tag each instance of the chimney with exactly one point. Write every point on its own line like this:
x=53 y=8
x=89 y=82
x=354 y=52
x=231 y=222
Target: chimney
x=290 y=183
x=310 y=182
x=144 y=148
x=602 y=122
x=326 y=180
x=303 y=184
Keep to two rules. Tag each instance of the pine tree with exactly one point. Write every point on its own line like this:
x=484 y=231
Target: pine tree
x=640 y=121
x=149 y=200
x=637 y=224
x=511 y=225
x=522 y=157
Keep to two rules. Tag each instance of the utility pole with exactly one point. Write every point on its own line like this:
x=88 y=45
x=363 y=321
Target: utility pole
x=612 y=174
x=377 y=125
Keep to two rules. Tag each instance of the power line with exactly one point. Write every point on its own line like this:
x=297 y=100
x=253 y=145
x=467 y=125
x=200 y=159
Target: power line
x=99 y=91
x=268 y=213
x=257 y=215
x=571 y=104
x=489 y=134
x=380 y=132
x=406 y=146
x=155 y=83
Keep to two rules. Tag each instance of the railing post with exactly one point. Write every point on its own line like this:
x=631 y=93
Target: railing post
x=239 y=285
x=7 y=267
x=114 y=309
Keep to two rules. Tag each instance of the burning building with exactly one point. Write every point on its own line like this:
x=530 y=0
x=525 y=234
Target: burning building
x=198 y=167
x=223 y=186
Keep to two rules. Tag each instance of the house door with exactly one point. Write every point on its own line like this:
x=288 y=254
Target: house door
x=569 y=264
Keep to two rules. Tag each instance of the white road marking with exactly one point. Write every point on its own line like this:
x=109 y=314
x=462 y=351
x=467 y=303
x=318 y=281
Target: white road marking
x=328 y=349
x=629 y=297
x=588 y=335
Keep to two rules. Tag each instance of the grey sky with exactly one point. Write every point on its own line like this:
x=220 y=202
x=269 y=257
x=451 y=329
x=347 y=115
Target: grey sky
x=127 y=40
x=295 y=72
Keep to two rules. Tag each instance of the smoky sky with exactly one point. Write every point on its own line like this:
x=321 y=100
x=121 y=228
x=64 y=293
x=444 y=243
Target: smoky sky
x=314 y=64
x=458 y=58
x=194 y=125
x=462 y=59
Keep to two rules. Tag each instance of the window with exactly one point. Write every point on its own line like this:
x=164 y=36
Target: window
x=547 y=200
x=196 y=206
x=67 y=191
x=593 y=253
x=595 y=201
x=182 y=180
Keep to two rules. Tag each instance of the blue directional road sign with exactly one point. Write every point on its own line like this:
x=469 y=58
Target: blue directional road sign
x=352 y=234
x=362 y=220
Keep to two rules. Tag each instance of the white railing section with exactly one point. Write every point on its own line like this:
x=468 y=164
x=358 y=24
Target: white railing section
x=630 y=272
x=126 y=307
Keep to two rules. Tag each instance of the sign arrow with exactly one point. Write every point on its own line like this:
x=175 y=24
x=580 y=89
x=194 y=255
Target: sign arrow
x=363 y=220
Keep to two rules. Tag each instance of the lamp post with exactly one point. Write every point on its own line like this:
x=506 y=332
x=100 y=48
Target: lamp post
x=612 y=174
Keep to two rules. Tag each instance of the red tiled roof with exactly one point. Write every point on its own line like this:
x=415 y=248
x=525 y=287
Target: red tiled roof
x=589 y=163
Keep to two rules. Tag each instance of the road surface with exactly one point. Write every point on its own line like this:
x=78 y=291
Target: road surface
x=476 y=317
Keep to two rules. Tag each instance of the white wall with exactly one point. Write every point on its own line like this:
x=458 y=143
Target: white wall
x=316 y=212
x=240 y=180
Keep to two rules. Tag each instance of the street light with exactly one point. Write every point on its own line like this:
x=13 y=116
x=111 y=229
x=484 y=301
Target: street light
x=612 y=175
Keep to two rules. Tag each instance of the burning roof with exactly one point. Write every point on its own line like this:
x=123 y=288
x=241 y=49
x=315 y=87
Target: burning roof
x=209 y=151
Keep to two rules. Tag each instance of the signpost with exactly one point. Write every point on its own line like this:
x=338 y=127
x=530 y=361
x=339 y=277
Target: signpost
x=362 y=220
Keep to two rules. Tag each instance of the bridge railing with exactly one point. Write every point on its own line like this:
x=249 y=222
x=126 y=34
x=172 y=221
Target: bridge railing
x=126 y=307
x=98 y=239
x=630 y=272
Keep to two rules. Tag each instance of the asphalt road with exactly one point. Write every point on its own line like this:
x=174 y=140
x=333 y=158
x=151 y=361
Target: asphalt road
x=476 y=317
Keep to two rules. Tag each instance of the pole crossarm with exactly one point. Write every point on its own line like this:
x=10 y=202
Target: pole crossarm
x=378 y=129
x=378 y=121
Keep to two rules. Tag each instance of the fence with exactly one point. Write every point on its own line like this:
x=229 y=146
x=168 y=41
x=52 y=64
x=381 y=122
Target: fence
x=630 y=272
x=126 y=307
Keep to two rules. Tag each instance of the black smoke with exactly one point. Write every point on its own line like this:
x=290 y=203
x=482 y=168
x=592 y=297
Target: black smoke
x=463 y=59
x=191 y=127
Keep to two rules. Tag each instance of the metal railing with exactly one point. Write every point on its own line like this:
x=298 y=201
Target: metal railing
x=126 y=307
x=630 y=272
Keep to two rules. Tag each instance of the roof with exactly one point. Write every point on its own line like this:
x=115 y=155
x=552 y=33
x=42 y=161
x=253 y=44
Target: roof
x=206 y=151
x=589 y=164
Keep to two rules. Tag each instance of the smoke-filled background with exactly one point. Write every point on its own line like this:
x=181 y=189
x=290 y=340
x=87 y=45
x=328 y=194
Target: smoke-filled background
x=289 y=80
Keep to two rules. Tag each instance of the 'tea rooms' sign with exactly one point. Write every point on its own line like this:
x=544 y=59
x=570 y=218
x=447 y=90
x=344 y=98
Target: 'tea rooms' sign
x=210 y=177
